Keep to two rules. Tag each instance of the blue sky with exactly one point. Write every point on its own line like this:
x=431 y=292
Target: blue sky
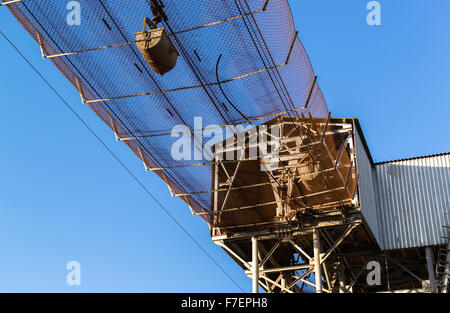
x=63 y=197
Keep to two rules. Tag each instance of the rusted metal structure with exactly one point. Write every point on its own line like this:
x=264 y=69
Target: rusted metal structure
x=316 y=212
x=262 y=64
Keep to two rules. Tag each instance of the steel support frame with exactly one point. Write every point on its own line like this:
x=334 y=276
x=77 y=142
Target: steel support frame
x=258 y=279
x=257 y=270
x=180 y=88
x=255 y=266
x=332 y=219
x=317 y=260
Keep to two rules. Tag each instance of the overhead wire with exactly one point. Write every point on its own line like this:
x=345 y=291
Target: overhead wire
x=122 y=164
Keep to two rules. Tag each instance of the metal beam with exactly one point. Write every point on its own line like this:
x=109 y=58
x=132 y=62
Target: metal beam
x=430 y=267
x=269 y=254
x=313 y=285
x=285 y=268
x=299 y=249
x=222 y=245
x=277 y=159
x=182 y=88
x=405 y=269
x=445 y=282
x=291 y=47
x=255 y=265
x=327 y=276
x=283 y=201
x=276 y=284
x=338 y=241
x=227 y=195
x=341 y=279
x=325 y=128
x=298 y=279
x=269 y=234
x=219 y=126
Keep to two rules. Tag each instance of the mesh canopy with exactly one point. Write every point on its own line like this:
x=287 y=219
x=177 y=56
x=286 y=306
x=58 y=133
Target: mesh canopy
x=254 y=37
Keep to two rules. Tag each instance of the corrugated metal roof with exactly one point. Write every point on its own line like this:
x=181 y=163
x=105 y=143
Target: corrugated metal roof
x=413 y=158
x=413 y=199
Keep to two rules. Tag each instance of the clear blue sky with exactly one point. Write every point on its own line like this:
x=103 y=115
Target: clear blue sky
x=63 y=197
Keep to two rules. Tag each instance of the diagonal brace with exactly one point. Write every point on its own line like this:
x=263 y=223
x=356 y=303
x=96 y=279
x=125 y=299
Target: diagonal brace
x=338 y=241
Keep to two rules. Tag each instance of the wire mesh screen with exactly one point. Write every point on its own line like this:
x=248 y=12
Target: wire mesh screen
x=240 y=62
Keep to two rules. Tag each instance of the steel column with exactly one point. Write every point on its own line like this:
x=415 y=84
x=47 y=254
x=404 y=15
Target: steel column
x=429 y=254
x=341 y=279
x=255 y=265
x=447 y=268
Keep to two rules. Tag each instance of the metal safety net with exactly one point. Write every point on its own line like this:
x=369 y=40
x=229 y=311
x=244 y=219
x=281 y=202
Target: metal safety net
x=240 y=63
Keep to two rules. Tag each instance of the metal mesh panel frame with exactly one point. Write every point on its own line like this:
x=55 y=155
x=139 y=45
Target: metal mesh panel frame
x=179 y=180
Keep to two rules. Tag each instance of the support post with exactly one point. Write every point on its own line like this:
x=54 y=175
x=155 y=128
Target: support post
x=255 y=265
x=317 y=266
x=215 y=217
x=429 y=254
x=341 y=279
x=283 y=281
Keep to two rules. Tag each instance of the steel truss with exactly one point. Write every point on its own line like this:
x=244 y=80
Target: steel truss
x=330 y=240
x=267 y=273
